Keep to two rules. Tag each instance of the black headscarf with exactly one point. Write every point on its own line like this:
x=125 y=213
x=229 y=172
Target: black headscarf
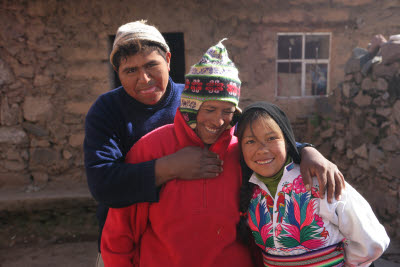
x=283 y=122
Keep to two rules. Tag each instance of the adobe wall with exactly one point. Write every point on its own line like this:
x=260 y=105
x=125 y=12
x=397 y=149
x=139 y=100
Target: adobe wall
x=54 y=64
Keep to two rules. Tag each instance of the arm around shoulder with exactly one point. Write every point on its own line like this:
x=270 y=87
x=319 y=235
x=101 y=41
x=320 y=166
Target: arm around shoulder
x=111 y=181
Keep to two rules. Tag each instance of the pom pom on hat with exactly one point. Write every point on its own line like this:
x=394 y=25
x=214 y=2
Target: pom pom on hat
x=214 y=77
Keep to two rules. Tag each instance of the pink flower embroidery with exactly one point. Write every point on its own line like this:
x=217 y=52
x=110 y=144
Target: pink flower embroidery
x=287 y=188
x=319 y=221
x=298 y=185
x=256 y=191
x=278 y=230
x=315 y=192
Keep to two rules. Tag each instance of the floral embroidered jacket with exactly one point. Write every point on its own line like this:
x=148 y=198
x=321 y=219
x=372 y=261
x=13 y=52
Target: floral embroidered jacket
x=194 y=222
x=295 y=221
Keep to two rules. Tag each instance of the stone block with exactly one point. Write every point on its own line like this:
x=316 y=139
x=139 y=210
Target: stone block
x=36 y=107
x=384 y=112
x=80 y=54
x=382 y=70
x=66 y=154
x=390 y=52
x=42 y=158
x=42 y=80
x=15 y=166
x=381 y=84
x=327 y=133
x=291 y=15
x=390 y=143
x=78 y=107
x=76 y=140
x=9 y=115
x=14 y=180
x=352 y=66
x=358 y=77
x=13 y=154
x=348 y=77
x=354 y=172
x=392 y=167
x=362 y=151
x=24 y=71
x=375 y=156
x=363 y=164
x=88 y=70
x=339 y=126
x=396 y=111
x=35 y=129
x=40 y=178
x=12 y=135
x=340 y=144
x=39 y=143
x=327 y=16
x=100 y=87
x=368 y=84
x=353 y=2
x=41 y=8
x=362 y=100
x=6 y=75
x=346 y=89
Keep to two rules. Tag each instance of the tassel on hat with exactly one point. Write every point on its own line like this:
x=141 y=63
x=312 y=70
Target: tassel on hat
x=214 y=77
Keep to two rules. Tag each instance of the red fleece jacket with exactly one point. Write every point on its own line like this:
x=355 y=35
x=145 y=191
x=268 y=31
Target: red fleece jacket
x=193 y=224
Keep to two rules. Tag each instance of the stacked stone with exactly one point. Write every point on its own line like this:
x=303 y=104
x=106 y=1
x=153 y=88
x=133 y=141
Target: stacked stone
x=364 y=136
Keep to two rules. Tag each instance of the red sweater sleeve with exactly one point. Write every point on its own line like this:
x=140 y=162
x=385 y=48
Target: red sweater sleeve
x=120 y=240
x=121 y=235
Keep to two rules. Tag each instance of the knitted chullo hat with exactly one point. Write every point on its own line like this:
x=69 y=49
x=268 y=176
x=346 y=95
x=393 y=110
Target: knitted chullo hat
x=137 y=30
x=214 y=77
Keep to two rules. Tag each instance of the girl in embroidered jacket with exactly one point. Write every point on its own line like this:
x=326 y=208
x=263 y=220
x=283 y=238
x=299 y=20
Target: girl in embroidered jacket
x=293 y=226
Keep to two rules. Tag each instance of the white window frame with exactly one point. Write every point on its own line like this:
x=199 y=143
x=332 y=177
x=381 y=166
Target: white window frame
x=303 y=62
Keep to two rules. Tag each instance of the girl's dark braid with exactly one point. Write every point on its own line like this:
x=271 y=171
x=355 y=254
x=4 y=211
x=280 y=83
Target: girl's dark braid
x=246 y=189
x=246 y=192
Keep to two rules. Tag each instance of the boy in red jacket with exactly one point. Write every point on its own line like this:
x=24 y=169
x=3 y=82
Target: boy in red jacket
x=194 y=223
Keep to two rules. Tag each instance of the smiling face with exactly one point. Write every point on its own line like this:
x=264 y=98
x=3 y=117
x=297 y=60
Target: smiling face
x=213 y=118
x=144 y=76
x=263 y=146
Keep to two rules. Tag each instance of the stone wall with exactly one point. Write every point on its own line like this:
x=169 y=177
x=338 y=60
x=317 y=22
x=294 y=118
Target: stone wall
x=54 y=64
x=362 y=134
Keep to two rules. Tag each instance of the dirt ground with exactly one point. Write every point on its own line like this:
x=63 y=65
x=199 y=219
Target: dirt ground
x=43 y=228
x=80 y=254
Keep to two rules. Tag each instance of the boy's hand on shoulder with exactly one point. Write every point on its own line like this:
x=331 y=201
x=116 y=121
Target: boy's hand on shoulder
x=188 y=163
x=329 y=177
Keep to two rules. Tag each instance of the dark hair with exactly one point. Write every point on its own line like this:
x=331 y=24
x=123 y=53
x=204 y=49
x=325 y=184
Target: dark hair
x=135 y=47
x=246 y=189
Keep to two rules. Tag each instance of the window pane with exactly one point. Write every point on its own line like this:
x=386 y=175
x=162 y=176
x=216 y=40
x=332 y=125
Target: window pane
x=316 y=79
x=317 y=46
x=289 y=79
x=289 y=46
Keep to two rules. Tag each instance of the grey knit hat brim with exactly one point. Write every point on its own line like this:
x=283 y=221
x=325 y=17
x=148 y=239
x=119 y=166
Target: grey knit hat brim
x=134 y=31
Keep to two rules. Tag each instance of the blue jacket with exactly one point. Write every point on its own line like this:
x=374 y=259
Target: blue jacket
x=113 y=124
